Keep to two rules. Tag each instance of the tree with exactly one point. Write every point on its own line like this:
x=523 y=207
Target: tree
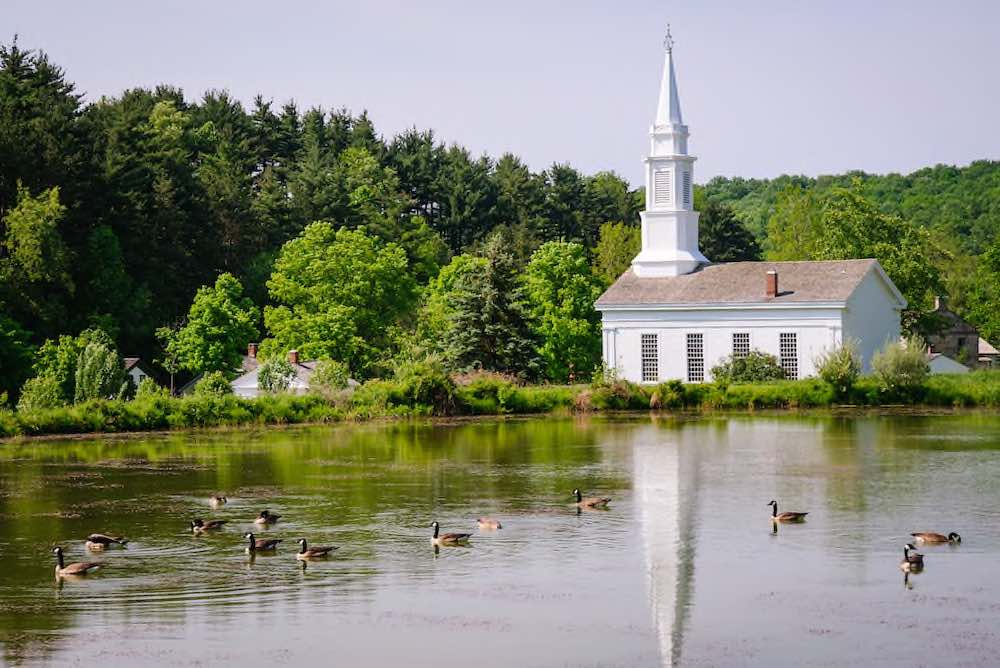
x=337 y=294
x=16 y=354
x=219 y=325
x=490 y=328
x=795 y=228
x=617 y=247
x=100 y=374
x=111 y=296
x=723 y=238
x=275 y=375
x=561 y=289
x=984 y=294
x=59 y=359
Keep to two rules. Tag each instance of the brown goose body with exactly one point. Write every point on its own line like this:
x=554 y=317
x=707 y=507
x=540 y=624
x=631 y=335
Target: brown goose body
x=76 y=568
x=913 y=562
x=201 y=526
x=100 y=541
x=448 y=538
x=489 y=524
x=591 y=501
x=786 y=516
x=931 y=537
x=266 y=517
x=261 y=544
x=306 y=552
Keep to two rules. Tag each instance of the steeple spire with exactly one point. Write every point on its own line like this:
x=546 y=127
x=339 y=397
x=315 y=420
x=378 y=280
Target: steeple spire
x=668 y=109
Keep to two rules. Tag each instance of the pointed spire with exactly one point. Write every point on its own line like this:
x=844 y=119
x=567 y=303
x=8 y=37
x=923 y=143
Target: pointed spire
x=668 y=109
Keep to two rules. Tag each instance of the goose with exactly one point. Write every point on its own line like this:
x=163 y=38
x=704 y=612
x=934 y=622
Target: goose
x=201 y=526
x=591 y=501
x=266 y=517
x=489 y=524
x=99 y=541
x=786 y=516
x=448 y=538
x=216 y=501
x=77 y=568
x=306 y=552
x=261 y=544
x=912 y=561
x=931 y=537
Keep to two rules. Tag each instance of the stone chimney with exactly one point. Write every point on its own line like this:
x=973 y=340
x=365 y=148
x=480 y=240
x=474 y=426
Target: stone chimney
x=252 y=350
x=293 y=357
x=772 y=284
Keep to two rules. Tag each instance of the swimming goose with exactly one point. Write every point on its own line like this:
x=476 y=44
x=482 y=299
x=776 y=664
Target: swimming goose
x=77 y=568
x=216 y=501
x=786 y=516
x=591 y=501
x=201 y=526
x=912 y=561
x=99 y=541
x=261 y=544
x=306 y=552
x=489 y=524
x=266 y=517
x=448 y=538
x=931 y=537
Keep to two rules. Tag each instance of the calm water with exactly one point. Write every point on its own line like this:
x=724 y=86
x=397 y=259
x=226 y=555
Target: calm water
x=683 y=568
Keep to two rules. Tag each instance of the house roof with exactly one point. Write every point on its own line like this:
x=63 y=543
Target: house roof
x=986 y=349
x=744 y=283
x=303 y=372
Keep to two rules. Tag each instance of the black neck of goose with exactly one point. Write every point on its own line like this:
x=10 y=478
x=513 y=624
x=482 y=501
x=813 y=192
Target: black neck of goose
x=579 y=496
x=774 y=510
x=253 y=543
x=302 y=547
x=906 y=552
x=59 y=558
x=436 y=529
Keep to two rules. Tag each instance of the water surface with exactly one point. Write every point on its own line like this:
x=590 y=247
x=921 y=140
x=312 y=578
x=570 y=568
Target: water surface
x=682 y=569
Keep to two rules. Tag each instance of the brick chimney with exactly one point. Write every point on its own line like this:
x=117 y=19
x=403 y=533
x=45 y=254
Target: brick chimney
x=252 y=350
x=772 y=284
x=293 y=357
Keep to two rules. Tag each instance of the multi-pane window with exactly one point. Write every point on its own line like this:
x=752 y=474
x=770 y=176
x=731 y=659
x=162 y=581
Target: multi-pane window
x=695 y=358
x=662 y=185
x=788 y=352
x=687 y=187
x=650 y=359
x=741 y=344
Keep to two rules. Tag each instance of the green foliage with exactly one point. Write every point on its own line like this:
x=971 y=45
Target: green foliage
x=754 y=367
x=59 y=359
x=41 y=392
x=561 y=290
x=723 y=238
x=275 y=375
x=901 y=369
x=795 y=227
x=617 y=246
x=213 y=384
x=426 y=383
x=99 y=374
x=16 y=354
x=219 y=325
x=983 y=294
x=329 y=376
x=150 y=390
x=840 y=367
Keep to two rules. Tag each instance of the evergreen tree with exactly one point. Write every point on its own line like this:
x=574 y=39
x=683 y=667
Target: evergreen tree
x=722 y=238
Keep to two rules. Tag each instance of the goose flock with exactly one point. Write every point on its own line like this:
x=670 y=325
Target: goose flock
x=97 y=542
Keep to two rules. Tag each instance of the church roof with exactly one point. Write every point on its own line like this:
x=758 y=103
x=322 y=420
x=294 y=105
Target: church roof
x=745 y=283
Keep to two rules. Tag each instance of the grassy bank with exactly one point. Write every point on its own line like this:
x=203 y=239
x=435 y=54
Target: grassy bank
x=485 y=396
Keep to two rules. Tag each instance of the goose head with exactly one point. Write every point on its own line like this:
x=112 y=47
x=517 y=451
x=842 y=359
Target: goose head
x=954 y=537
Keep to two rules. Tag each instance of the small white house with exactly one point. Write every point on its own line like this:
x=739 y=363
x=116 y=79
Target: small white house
x=675 y=315
x=246 y=385
x=137 y=370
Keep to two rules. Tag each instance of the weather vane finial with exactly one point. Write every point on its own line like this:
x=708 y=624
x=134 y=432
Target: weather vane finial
x=668 y=41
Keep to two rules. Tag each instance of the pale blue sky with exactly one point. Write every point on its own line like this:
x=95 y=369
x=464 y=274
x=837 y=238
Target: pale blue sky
x=767 y=87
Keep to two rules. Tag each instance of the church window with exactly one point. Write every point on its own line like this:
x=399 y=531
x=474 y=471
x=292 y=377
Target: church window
x=788 y=351
x=741 y=344
x=695 y=358
x=650 y=358
x=686 y=183
x=662 y=185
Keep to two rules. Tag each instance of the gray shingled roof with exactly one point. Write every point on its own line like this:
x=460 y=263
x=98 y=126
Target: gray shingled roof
x=743 y=283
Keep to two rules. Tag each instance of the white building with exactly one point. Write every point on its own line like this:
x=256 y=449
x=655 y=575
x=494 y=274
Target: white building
x=674 y=315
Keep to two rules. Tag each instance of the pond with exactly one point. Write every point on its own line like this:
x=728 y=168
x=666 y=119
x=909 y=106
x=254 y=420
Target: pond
x=682 y=568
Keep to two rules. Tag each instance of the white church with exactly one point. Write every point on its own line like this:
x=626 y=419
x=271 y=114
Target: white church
x=674 y=314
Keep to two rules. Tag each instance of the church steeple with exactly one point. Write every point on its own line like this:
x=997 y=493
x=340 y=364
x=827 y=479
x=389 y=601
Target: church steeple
x=669 y=223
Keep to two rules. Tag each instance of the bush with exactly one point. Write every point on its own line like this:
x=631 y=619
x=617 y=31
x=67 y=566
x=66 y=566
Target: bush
x=275 y=375
x=99 y=374
x=329 y=376
x=213 y=384
x=426 y=383
x=668 y=395
x=754 y=367
x=149 y=389
x=840 y=367
x=41 y=392
x=901 y=369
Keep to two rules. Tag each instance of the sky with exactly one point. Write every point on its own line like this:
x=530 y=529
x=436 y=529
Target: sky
x=766 y=87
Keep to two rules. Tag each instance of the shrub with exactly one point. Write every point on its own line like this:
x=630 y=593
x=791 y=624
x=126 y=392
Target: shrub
x=40 y=392
x=213 y=384
x=901 y=369
x=275 y=375
x=754 y=367
x=667 y=395
x=99 y=374
x=329 y=376
x=149 y=389
x=840 y=367
x=426 y=383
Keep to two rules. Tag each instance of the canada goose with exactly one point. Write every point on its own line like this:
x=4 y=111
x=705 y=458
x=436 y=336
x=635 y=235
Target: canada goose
x=306 y=552
x=931 y=537
x=786 y=516
x=77 y=568
x=912 y=561
x=448 y=538
x=99 y=541
x=201 y=526
x=261 y=544
x=591 y=501
x=216 y=501
x=266 y=517
x=489 y=524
